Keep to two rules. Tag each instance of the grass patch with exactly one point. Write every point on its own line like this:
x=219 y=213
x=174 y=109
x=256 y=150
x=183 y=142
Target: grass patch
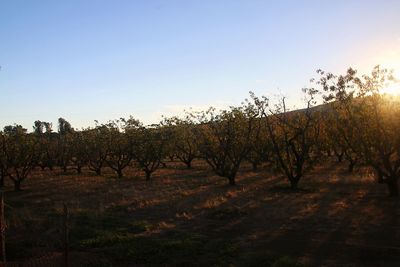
x=18 y=250
x=86 y=226
x=256 y=259
x=174 y=249
x=286 y=189
x=226 y=213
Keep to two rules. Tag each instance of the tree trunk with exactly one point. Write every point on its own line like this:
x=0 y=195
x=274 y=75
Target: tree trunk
x=351 y=166
x=232 y=180
x=17 y=185
x=148 y=175
x=98 y=171
x=65 y=168
x=120 y=174
x=79 y=169
x=188 y=164
x=2 y=177
x=294 y=182
x=255 y=166
x=393 y=187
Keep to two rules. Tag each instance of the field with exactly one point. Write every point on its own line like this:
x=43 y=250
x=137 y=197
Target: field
x=192 y=217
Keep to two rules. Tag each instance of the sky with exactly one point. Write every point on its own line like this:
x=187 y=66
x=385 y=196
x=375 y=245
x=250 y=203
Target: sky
x=101 y=60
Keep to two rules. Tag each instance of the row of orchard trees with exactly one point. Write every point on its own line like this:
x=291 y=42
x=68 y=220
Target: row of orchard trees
x=115 y=144
x=356 y=123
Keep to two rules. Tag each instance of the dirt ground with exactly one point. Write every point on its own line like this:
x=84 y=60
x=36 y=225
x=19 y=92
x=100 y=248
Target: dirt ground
x=192 y=217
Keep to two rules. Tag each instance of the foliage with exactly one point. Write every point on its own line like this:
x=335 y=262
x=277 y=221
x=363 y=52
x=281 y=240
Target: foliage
x=356 y=123
x=96 y=148
x=293 y=135
x=19 y=154
x=225 y=139
x=183 y=139
x=368 y=121
x=119 y=145
x=148 y=148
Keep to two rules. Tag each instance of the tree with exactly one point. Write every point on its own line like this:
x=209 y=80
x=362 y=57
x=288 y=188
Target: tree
x=46 y=144
x=19 y=152
x=96 y=148
x=3 y=161
x=64 y=126
x=293 y=134
x=15 y=129
x=261 y=146
x=338 y=134
x=225 y=139
x=119 y=144
x=370 y=121
x=78 y=155
x=65 y=132
x=183 y=139
x=148 y=148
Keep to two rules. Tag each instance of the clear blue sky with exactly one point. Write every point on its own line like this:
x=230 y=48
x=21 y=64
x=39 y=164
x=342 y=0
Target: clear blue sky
x=87 y=60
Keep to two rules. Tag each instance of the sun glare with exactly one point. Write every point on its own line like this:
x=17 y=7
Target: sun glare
x=390 y=59
x=394 y=88
x=396 y=74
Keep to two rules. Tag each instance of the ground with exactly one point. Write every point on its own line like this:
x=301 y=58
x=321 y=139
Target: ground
x=192 y=217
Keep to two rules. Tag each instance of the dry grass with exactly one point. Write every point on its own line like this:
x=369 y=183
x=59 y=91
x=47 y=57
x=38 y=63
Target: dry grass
x=337 y=219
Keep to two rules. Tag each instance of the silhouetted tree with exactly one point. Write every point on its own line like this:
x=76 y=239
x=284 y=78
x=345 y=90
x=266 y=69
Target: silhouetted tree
x=47 y=146
x=96 y=148
x=65 y=132
x=370 y=121
x=148 y=148
x=78 y=155
x=294 y=136
x=225 y=139
x=183 y=139
x=119 y=144
x=3 y=160
x=19 y=152
x=261 y=146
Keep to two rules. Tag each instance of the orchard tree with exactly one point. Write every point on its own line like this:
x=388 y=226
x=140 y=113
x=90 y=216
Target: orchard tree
x=370 y=120
x=19 y=152
x=293 y=134
x=183 y=138
x=47 y=146
x=148 y=148
x=3 y=160
x=225 y=139
x=119 y=143
x=260 y=146
x=65 y=135
x=78 y=155
x=342 y=137
x=96 y=148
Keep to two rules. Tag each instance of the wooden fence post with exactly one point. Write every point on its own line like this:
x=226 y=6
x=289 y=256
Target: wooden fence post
x=2 y=230
x=66 y=239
